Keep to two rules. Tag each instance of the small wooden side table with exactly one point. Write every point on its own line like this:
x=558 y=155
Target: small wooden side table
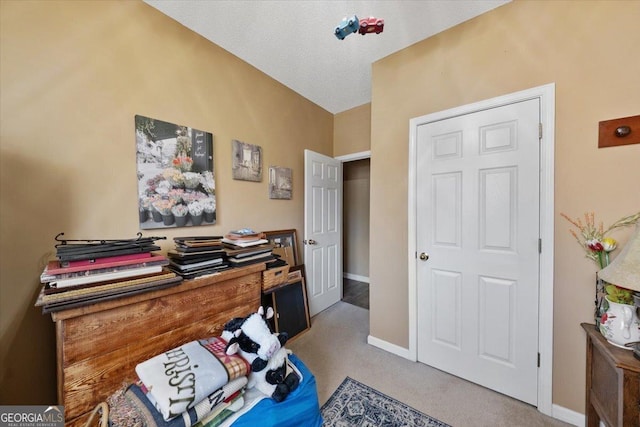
x=613 y=383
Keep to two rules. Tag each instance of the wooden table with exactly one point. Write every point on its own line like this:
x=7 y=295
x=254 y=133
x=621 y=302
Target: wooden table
x=613 y=383
x=99 y=346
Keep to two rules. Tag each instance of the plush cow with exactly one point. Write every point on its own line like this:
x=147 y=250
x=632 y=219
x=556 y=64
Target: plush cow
x=271 y=371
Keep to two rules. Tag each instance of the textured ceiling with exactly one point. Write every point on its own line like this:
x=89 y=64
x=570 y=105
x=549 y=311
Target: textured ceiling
x=293 y=42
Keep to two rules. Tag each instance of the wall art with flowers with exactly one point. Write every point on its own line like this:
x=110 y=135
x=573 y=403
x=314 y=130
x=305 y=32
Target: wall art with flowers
x=175 y=170
x=598 y=245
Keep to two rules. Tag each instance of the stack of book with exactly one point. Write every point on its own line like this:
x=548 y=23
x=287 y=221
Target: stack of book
x=246 y=247
x=197 y=256
x=89 y=272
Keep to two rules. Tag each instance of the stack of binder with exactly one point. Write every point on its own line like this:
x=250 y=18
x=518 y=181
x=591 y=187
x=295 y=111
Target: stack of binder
x=89 y=271
x=197 y=256
x=245 y=247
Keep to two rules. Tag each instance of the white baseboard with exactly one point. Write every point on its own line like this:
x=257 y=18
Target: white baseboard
x=558 y=412
x=568 y=416
x=357 y=277
x=391 y=348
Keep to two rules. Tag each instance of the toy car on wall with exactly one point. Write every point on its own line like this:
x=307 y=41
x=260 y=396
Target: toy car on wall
x=347 y=26
x=371 y=25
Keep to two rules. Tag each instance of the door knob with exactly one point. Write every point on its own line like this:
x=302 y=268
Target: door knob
x=424 y=256
x=310 y=242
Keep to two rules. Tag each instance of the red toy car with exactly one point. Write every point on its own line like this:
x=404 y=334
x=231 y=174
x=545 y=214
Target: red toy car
x=371 y=25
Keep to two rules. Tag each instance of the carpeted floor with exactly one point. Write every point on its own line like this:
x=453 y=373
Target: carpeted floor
x=336 y=347
x=356 y=404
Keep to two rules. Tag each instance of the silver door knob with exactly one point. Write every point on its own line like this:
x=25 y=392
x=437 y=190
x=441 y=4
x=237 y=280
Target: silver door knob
x=310 y=242
x=424 y=256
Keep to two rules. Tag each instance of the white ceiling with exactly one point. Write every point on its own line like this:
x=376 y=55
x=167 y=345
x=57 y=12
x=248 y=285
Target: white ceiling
x=293 y=42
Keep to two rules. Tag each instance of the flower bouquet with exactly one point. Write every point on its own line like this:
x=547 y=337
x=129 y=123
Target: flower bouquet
x=179 y=210
x=163 y=206
x=163 y=187
x=191 y=179
x=209 y=208
x=144 y=202
x=597 y=245
x=192 y=196
x=152 y=184
x=183 y=163
x=208 y=183
x=174 y=176
x=176 y=195
x=195 y=210
x=155 y=214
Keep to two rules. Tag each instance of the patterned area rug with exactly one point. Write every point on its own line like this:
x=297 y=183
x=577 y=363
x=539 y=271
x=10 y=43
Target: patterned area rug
x=356 y=404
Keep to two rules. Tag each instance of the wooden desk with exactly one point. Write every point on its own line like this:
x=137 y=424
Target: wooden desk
x=613 y=383
x=99 y=346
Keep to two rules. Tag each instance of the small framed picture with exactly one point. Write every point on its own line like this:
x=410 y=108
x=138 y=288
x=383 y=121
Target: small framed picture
x=247 y=161
x=280 y=183
x=285 y=242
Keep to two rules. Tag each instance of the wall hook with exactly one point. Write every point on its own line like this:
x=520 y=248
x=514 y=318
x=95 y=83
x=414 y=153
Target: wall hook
x=616 y=132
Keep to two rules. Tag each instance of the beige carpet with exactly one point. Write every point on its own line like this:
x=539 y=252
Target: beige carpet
x=336 y=347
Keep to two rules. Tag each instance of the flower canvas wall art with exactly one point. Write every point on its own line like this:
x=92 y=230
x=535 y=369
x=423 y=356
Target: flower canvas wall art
x=175 y=175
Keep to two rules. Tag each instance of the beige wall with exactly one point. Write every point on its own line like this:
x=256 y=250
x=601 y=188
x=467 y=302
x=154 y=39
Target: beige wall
x=352 y=134
x=352 y=131
x=355 y=217
x=73 y=76
x=587 y=49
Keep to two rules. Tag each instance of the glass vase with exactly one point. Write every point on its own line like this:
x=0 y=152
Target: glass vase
x=601 y=305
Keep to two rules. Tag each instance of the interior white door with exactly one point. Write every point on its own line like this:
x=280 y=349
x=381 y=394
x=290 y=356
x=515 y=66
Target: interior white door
x=322 y=230
x=478 y=244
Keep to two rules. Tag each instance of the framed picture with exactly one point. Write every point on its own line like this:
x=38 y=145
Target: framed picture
x=291 y=307
x=297 y=273
x=290 y=303
x=285 y=242
x=280 y=182
x=176 y=184
x=247 y=161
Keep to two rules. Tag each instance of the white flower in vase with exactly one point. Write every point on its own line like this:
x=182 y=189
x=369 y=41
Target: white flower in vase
x=180 y=210
x=209 y=205
x=191 y=179
x=163 y=187
x=195 y=208
x=208 y=183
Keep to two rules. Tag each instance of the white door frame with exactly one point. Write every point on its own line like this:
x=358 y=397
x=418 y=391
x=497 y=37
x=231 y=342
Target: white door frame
x=546 y=94
x=355 y=156
x=345 y=159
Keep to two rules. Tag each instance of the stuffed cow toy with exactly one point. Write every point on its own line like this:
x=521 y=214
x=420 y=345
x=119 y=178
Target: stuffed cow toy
x=271 y=372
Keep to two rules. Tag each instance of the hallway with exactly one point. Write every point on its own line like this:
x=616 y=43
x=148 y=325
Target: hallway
x=355 y=292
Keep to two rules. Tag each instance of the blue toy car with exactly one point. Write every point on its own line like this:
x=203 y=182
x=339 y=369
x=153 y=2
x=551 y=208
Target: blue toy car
x=347 y=26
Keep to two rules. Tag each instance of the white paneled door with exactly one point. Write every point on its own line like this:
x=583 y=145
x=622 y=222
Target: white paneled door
x=322 y=230
x=477 y=186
